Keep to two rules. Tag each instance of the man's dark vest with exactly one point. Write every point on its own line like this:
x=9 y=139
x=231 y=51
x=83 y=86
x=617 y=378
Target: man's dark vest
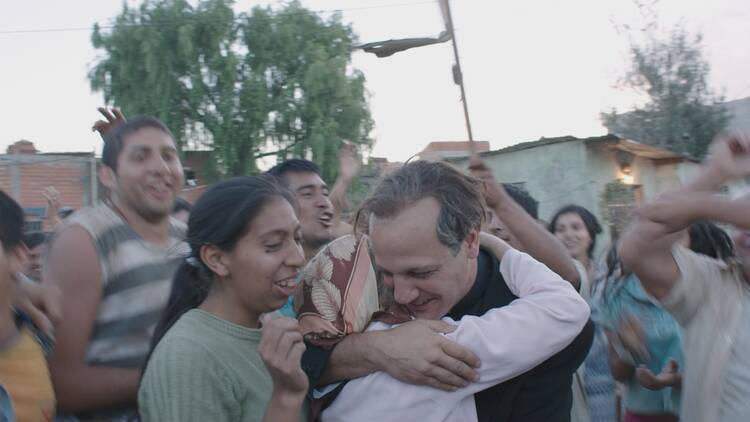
x=541 y=395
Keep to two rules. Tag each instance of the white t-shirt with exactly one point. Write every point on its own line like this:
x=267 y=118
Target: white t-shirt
x=509 y=341
x=735 y=401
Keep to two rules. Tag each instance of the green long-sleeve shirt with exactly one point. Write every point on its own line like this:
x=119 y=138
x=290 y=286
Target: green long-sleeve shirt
x=206 y=369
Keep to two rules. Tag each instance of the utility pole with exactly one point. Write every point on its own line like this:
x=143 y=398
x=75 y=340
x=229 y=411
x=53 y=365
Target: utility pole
x=390 y=47
x=457 y=75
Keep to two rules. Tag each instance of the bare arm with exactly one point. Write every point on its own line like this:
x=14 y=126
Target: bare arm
x=538 y=242
x=414 y=353
x=646 y=247
x=41 y=303
x=349 y=166
x=497 y=246
x=534 y=239
x=73 y=266
x=621 y=370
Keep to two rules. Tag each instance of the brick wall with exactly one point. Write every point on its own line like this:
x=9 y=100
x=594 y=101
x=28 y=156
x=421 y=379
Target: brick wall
x=25 y=177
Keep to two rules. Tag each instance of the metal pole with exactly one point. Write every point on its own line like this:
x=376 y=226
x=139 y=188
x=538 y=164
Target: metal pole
x=459 y=75
x=94 y=179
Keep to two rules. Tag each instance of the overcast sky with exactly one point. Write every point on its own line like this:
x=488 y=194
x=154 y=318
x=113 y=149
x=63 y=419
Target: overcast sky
x=532 y=68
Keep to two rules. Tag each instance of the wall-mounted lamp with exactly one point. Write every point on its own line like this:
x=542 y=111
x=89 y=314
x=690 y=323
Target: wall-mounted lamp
x=627 y=174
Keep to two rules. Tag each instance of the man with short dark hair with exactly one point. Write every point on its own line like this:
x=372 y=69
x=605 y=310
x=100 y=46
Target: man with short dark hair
x=316 y=212
x=512 y=215
x=424 y=222
x=114 y=263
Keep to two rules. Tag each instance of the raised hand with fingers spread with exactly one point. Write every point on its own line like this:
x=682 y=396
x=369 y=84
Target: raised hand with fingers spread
x=113 y=117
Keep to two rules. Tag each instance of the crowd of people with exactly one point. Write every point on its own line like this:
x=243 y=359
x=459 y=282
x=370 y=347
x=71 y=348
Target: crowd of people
x=441 y=297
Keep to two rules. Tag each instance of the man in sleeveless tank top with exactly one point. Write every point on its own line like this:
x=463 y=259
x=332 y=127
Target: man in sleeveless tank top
x=114 y=263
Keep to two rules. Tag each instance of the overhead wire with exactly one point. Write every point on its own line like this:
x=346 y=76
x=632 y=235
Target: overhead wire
x=238 y=18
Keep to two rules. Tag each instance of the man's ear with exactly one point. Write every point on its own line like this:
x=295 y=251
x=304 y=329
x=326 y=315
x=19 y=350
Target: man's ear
x=18 y=258
x=108 y=177
x=472 y=243
x=215 y=259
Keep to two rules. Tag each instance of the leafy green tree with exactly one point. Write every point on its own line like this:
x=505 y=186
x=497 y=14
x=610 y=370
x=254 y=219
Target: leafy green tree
x=244 y=86
x=682 y=113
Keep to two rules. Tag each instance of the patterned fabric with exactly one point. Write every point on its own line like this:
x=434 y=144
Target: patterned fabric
x=339 y=292
x=136 y=280
x=625 y=298
x=598 y=381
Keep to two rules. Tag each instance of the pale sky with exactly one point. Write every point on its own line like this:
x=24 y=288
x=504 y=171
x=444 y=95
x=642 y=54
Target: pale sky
x=531 y=68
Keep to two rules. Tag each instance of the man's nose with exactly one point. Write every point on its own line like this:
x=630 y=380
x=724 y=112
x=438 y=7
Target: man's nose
x=404 y=291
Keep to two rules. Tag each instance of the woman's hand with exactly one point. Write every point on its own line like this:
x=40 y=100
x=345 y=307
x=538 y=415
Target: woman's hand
x=281 y=349
x=669 y=376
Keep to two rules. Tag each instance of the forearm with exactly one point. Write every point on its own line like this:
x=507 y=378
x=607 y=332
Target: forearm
x=338 y=194
x=538 y=242
x=546 y=318
x=709 y=179
x=352 y=358
x=621 y=371
x=84 y=388
x=284 y=407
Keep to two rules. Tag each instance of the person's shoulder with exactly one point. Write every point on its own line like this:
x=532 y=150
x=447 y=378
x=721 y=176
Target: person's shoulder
x=96 y=221
x=28 y=357
x=178 y=228
x=189 y=328
x=698 y=268
x=186 y=343
x=92 y=215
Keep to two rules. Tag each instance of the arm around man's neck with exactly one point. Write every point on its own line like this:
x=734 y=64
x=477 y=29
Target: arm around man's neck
x=414 y=352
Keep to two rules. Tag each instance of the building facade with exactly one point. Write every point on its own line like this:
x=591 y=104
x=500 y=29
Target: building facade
x=607 y=175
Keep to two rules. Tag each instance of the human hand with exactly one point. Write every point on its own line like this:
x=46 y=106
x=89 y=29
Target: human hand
x=669 y=376
x=349 y=164
x=281 y=349
x=730 y=155
x=493 y=192
x=42 y=303
x=53 y=200
x=416 y=353
x=113 y=118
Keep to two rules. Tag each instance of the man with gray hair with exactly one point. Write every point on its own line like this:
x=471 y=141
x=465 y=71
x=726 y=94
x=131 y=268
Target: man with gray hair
x=424 y=222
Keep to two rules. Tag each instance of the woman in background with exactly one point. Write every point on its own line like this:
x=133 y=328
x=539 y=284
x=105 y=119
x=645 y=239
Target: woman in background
x=593 y=386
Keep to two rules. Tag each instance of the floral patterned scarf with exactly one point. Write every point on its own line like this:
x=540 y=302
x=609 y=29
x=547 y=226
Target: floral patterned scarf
x=339 y=293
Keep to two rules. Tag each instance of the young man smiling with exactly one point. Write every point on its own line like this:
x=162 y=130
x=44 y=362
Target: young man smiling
x=316 y=211
x=114 y=263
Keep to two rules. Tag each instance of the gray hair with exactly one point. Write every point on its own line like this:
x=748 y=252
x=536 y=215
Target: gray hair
x=459 y=196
